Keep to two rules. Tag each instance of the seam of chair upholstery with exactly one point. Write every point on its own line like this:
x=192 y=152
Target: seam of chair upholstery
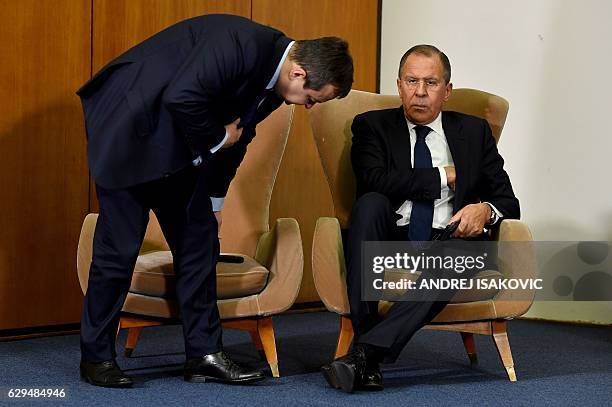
x=275 y=174
x=325 y=173
x=494 y=308
x=246 y=273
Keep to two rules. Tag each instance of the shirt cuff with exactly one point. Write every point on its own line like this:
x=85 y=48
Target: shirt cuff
x=443 y=179
x=218 y=146
x=497 y=212
x=217 y=203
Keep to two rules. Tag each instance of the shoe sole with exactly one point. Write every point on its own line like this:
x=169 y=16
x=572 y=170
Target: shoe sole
x=204 y=379
x=344 y=375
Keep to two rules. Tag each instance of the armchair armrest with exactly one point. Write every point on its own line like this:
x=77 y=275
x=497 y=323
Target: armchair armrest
x=516 y=260
x=280 y=251
x=516 y=250
x=328 y=265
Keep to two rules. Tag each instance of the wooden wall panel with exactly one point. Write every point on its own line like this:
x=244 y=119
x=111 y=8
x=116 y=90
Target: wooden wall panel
x=301 y=190
x=44 y=58
x=121 y=24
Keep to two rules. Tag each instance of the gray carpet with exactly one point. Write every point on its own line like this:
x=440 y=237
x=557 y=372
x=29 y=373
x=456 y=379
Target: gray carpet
x=556 y=365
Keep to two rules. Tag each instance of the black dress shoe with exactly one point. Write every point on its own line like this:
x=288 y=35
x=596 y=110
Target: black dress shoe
x=105 y=374
x=372 y=378
x=346 y=373
x=218 y=367
x=329 y=375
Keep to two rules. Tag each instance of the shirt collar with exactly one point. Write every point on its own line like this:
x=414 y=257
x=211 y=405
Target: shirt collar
x=278 y=68
x=435 y=125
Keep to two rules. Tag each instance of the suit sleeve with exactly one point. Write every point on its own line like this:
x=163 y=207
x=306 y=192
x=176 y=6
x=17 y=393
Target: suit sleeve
x=371 y=161
x=223 y=165
x=494 y=182
x=215 y=66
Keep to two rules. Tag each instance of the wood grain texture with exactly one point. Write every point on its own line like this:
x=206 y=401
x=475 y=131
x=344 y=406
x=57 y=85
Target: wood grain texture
x=44 y=58
x=121 y=24
x=301 y=190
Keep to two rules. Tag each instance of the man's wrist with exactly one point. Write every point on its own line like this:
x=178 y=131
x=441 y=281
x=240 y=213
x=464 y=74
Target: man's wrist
x=492 y=215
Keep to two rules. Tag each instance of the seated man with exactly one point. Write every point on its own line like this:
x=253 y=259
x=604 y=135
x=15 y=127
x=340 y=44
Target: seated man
x=431 y=169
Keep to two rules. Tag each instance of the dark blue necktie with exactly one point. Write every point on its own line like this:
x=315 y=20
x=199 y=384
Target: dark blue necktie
x=248 y=118
x=421 y=216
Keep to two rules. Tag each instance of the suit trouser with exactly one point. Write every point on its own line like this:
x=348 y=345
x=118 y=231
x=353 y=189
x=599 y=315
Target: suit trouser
x=374 y=219
x=182 y=206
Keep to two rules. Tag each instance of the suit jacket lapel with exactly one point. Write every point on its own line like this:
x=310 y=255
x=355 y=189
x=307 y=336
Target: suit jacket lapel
x=271 y=101
x=399 y=140
x=457 y=143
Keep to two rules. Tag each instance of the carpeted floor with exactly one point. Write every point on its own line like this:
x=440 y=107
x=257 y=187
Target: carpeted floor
x=556 y=365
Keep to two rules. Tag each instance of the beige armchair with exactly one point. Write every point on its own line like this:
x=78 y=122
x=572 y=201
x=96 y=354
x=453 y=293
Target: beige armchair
x=250 y=293
x=331 y=124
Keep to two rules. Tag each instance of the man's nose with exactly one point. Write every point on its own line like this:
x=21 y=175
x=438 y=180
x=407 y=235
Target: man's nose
x=421 y=88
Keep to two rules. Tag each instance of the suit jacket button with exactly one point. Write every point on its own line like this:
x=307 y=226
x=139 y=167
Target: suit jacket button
x=166 y=175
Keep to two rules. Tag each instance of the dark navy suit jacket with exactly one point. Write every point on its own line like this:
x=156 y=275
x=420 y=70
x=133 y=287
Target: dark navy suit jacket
x=165 y=101
x=380 y=155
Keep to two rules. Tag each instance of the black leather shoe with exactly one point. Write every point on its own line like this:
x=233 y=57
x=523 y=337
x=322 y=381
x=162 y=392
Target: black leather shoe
x=346 y=373
x=372 y=378
x=105 y=374
x=329 y=375
x=218 y=367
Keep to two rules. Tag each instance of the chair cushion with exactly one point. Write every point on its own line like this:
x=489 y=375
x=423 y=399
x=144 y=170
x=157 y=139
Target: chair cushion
x=154 y=276
x=461 y=296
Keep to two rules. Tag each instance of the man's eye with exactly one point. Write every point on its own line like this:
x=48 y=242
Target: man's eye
x=412 y=81
x=432 y=82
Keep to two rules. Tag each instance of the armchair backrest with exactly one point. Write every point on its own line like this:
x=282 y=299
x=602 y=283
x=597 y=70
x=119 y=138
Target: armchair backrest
x=331 y=127
x=246 y=208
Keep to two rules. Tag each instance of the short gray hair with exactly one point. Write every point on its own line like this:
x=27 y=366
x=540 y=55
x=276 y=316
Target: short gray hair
x=428 y=51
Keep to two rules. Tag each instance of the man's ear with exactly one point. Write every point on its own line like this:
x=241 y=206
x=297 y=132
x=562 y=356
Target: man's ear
x=449 y=90
x=297 y=72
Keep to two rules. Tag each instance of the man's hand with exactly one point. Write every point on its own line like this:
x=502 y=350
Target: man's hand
x=450 y=177
x=233 y=133
x=472 y=219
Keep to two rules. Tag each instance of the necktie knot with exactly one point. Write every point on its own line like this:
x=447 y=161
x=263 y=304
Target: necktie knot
x=421 y=131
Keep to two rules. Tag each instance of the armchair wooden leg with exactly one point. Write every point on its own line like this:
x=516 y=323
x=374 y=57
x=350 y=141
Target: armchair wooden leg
x=266 y=336
x=257 y=342
x=345 y=337
x=470 y=347
x=500 y=336
x=132 y=339
x=134 y=324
